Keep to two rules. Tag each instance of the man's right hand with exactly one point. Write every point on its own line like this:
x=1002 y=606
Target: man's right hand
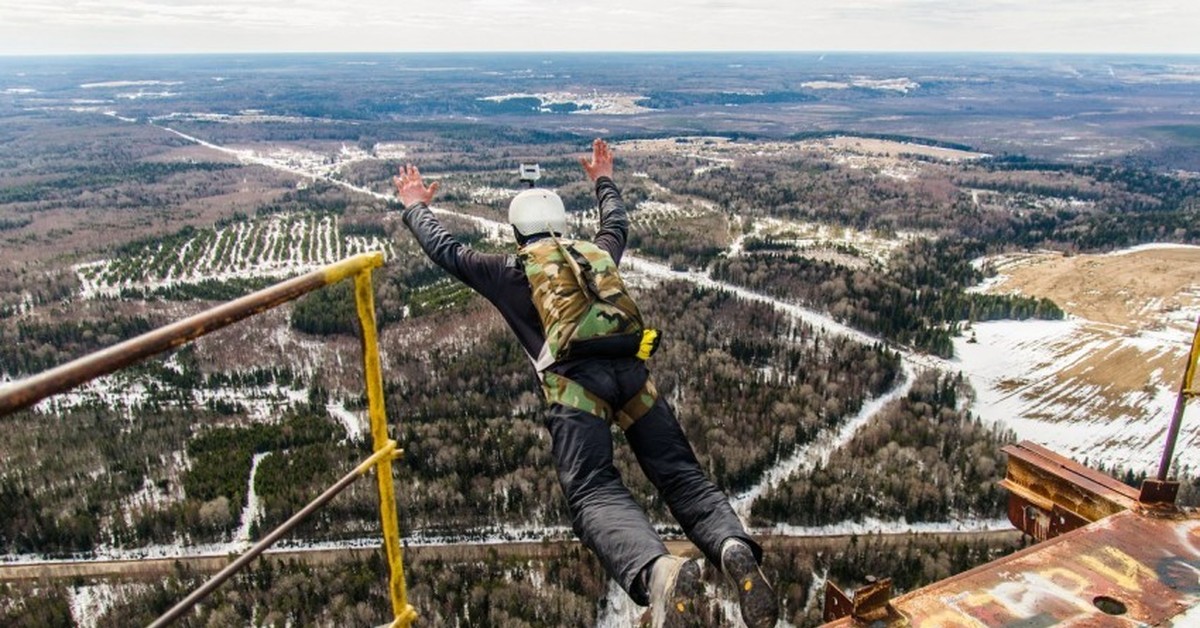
x=410 y=189
x=601 y=164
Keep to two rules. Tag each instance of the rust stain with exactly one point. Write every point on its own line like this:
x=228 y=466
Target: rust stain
x=1051 y=494
x=1127 y=570
x=1108 y=559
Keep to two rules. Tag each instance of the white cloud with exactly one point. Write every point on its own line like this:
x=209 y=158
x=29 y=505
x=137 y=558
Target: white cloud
x=51 y=26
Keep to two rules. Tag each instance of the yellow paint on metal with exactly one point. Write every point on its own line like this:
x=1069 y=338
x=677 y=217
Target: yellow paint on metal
x=1067 y=579
x=388 y=452
x=352 y=267
x=1118 y=567
x=364 y=297
x=951 y=619
x=1189 y=377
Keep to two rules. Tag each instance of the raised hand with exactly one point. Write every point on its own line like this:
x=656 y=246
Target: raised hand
x=410 y=189
x=601 y=164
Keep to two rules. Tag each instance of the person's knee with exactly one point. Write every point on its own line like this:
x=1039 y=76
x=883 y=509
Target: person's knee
x=585 y=486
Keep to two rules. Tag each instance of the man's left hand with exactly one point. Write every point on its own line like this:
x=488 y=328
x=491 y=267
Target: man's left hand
x=601 y=164
x=410 y=189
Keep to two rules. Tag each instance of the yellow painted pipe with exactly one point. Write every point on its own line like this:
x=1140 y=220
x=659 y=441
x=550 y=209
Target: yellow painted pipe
x=364 y=296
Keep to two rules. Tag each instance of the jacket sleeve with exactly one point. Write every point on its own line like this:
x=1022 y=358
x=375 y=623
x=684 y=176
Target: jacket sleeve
x=478 y=270
x=614 y=223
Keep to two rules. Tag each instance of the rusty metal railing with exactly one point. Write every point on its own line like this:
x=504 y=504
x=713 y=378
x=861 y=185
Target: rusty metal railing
x=29 y=391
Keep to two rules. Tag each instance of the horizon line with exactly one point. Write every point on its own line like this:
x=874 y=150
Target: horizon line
x=599 y=52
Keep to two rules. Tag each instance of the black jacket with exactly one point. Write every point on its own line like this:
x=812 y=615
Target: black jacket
x=500 y=278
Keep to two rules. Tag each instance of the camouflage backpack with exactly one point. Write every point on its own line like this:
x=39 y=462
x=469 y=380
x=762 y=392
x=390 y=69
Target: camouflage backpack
x=583 y=304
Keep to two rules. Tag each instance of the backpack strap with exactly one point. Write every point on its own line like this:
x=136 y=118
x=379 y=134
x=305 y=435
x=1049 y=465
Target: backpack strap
x=564 y=391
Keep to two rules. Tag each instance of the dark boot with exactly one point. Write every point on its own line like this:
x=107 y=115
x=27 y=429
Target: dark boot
x=674 y=592
x=760 y=609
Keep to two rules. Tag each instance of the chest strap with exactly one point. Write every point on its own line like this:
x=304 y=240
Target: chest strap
x=559 y=389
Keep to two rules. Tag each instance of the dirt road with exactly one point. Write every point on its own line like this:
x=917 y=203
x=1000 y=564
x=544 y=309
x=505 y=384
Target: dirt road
x=154 y=569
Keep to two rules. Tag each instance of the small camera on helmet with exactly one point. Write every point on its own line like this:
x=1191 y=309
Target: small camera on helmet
x=530 y=173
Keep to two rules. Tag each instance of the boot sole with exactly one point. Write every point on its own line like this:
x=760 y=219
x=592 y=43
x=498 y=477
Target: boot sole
x=757 y=600
x=684 y=611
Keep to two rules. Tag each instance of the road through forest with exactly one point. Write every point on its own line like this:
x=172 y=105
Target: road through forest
x=803 y=457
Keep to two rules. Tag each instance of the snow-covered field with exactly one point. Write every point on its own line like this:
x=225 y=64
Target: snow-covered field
x=587 y=103
x=1101 y=385
x=280 y=246
x=902 y=84
x=1022 y=375
x=820 y=240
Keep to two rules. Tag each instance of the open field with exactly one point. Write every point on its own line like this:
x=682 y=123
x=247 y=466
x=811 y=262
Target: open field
x=1144 y=288
x=1101 y=384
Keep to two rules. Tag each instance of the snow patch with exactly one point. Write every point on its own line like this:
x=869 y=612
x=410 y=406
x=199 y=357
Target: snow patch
x=617 y=610
x=143 y=94
x=487 y=194
x=593 y=103
x=819 y=239
x=128 y=84
x=92 y=601
x=660 y=209
x=356 y=423
x=253 y=509
x=390 y=150
x=871 y=525
x=1154 y=246
x=281 y=246
x=902 y=84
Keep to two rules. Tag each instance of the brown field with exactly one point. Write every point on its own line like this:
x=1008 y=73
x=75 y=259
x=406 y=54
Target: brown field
x=1132 y=291
x=1119 y=296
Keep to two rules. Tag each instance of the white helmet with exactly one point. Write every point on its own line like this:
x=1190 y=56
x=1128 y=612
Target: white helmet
x=537 y=211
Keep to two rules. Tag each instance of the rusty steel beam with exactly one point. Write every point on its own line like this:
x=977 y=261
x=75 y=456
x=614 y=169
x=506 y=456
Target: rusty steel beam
x=869 y=604
x=26 y=392
x=1156 y=493
x=837 y=603
x=1051 y=494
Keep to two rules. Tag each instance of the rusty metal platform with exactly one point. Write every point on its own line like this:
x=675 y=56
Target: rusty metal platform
x=1129 y=569
x=1110 y=555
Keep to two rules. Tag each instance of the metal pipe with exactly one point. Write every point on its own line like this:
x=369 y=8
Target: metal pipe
x=1185 y=390
x=385 y=453
x=364 y=298
x=26 y=392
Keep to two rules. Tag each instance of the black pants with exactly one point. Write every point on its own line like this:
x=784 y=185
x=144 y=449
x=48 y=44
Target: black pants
x=603 y=513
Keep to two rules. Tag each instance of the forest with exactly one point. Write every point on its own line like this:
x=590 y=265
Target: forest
x=885 y=469
x=919 y=300
x=164 y=454
x=495 y=588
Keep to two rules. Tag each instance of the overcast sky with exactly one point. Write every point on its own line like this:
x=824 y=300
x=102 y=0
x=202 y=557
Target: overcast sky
x=187 y=26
